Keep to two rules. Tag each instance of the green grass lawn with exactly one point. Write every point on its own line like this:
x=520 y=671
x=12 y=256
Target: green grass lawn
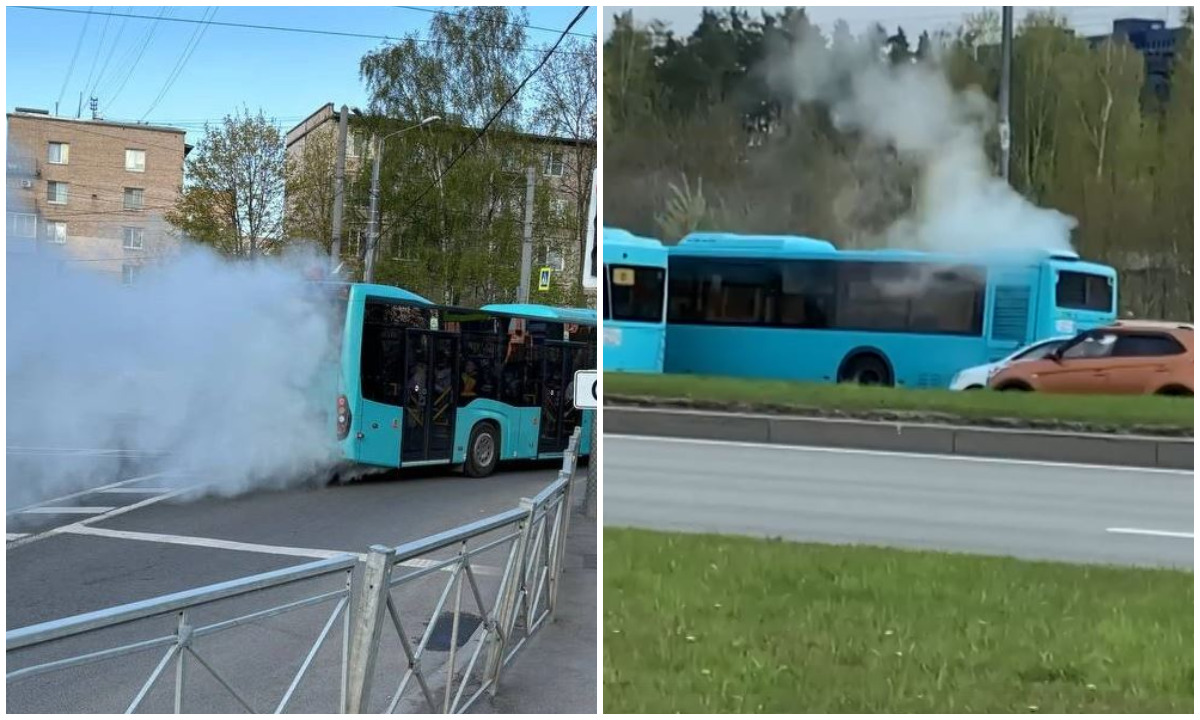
x=1124 y=413
x=724 y=624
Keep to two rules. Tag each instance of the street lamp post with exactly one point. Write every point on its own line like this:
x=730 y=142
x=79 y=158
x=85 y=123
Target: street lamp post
x=373 y=221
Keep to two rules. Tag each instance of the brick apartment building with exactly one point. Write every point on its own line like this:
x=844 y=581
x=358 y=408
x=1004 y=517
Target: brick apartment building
x=558 y=249
x=95 y=189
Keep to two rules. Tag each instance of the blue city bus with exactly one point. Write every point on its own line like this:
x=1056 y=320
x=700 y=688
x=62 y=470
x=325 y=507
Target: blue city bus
x=635 y=280
x=421 y=384
x=798 y=308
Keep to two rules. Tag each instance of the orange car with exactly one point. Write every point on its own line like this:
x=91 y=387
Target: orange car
x=1126 y=358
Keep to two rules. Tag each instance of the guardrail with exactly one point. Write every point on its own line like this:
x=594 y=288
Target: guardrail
x=387 y=589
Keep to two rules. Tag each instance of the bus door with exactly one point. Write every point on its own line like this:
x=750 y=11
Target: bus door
x=430 y=398
x=559 y=416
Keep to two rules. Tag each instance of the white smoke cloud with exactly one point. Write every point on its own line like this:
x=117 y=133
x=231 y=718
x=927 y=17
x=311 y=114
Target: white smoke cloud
x=961 y=204
x=222 y=367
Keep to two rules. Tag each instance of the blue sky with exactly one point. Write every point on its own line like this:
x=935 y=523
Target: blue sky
x=288 y=75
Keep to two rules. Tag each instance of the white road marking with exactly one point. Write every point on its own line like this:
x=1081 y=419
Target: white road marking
x=893 y=453
x=88 y=491
x=212 y=543
x=76 y=510
x=217 y=544
x=1154 y=533
x=135 y=490
x=96 y=518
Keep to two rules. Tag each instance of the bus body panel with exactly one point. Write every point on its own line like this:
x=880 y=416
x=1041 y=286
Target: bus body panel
x=505 y=417
x=629 y=345
x=1019 y=305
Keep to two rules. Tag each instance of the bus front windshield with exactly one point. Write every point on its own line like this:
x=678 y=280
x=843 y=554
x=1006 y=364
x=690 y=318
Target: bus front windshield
x=635 y=294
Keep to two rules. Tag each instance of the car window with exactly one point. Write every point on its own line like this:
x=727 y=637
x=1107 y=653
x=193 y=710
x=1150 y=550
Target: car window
x=1147 y=345
x=1037 y=352
x=1097 y=345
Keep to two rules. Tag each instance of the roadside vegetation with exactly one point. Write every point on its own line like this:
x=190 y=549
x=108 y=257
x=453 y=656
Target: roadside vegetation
x=1097 y=413
x=696 y=623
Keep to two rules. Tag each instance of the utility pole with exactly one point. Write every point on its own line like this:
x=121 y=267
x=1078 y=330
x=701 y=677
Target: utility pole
x=1006 y=33
x=527 y=244
x=339 y=188
x=373 y=224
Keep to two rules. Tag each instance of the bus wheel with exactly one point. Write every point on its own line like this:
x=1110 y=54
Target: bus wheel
x=865 y=369
x=483 y=450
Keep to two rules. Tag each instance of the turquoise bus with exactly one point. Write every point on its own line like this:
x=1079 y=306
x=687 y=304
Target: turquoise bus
x=798 y=308
x=635 y=283
x=422 y=384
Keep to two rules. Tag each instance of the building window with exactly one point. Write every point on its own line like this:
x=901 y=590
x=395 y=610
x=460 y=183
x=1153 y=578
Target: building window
x=56 y=193
x=135 y=160
x=133 y=198
x=554 y=163
x=56 y=231
x=22 y=225
x=560 y=206
x=134 y=238
x=58 y=153
x=554 y=261
x=128 y=274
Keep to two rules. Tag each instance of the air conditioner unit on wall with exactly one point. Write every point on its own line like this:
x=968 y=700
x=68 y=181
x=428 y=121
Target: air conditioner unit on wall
x=26 y=183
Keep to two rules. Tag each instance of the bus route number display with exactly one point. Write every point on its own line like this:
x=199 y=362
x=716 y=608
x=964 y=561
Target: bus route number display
x=587 y=391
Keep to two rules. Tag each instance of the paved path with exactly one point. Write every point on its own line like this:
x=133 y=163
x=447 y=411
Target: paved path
x=1025 y=509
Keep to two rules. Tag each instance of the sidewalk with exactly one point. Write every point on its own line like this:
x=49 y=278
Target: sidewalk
x=556 y=671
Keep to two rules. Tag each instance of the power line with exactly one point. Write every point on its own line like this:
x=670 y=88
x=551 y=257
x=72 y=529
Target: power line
x=96 y=58
x=517 y=24
x=282 y=28
x=111 y=50
x=136 y=60
x=186 y=55
x=498 y=112
x=74 y=57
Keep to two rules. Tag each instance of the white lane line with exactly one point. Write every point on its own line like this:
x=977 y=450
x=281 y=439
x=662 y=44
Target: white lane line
x=77 y=510
x=135 y=490
x=16 y=536
x=891 y=453
x=88 y=491
x=211 y=543
x=1154 y=533
x=217 y=544
x=96 y=518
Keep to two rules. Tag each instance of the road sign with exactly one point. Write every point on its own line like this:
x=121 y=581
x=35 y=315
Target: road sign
x=587 y=391
x=590 y=265
x=544 y=279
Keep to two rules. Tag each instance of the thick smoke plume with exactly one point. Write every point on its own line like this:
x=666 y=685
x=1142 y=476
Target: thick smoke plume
x=223 y=368
x=960 y=204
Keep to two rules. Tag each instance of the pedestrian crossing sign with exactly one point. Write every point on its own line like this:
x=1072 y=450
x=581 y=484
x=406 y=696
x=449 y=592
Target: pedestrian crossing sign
x=544 y=279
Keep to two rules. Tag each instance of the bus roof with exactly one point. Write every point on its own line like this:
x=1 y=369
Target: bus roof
x=794 y=246
x=533 y=311
x=622 y=245
x=388 y=292
x=719 y=243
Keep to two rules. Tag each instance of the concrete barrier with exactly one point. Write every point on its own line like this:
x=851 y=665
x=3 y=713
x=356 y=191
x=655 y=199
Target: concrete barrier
x=1093 y=449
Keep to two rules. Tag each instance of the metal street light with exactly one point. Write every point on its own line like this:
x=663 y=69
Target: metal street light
x=373 y=223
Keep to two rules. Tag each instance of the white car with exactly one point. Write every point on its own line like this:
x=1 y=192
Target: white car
x=976 y=378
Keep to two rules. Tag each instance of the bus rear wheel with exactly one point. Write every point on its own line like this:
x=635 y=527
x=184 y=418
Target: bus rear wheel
x=865 y=369
x=483 y=450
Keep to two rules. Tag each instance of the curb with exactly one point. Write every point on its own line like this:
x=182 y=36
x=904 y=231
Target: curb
x=1037 y=445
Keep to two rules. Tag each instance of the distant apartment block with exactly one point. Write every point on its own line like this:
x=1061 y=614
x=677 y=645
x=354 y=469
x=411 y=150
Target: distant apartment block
x=559 y=158
x=95 y=189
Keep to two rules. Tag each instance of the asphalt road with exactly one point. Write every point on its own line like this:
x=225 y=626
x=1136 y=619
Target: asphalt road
x=1030 y=510
x=137 y=540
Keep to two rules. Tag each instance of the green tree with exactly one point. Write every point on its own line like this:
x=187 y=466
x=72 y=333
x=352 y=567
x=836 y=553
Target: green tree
x=233 y=200
x=451 y=212
x=309 y=190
